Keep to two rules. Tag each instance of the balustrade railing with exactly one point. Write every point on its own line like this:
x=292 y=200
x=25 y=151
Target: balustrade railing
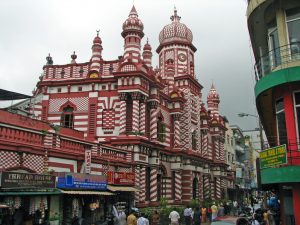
x=277 y=58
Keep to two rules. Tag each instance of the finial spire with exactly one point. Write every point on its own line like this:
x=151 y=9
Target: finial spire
x=98 y=32
x=133 y=11
x=175 y=17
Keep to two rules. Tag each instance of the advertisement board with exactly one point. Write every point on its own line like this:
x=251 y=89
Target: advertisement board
x=120 y=178
x=26 y=180
x=88 y=161
x=81 y=181
x=273 y=157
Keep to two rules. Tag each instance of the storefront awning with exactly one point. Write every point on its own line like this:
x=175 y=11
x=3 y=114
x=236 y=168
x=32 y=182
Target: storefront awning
x=30 y=193
x=121 y=188
x=87 y=192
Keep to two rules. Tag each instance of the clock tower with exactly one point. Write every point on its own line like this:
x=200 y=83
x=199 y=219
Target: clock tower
x=176 y=51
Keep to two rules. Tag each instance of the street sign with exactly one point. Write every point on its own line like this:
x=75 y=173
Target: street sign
x=273 y=157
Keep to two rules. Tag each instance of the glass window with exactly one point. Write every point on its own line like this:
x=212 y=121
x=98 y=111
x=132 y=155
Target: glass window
x=67 y=117
x=293 y=24
x=280 y=119
x=273 y=42
x=161 y=130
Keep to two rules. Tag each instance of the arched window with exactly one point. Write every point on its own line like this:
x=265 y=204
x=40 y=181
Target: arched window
x=194 y=140
x=161 y=130
x=195 y=188
x=67 y=117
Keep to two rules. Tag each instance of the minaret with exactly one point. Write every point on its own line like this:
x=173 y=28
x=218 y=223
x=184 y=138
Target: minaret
x=147 y=54
x=96 y=54
x=213 y=101
x=132 y=34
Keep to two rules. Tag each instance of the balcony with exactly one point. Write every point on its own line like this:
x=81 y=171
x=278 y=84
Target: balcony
x=279 y=58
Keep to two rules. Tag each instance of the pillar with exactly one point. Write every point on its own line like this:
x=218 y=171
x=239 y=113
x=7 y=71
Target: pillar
x=178 y=186
x=176 y=130
x=143 y=115
x=143 y=184
x=135 y=111
x=153 y=120
x=153 y=184
x=123 y=98
x=137 y=183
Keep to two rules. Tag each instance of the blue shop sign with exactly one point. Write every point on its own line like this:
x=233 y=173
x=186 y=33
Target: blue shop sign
x=81 y=181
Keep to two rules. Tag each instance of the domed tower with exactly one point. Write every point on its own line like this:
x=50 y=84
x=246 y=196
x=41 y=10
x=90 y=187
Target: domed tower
x=176 y=48
x=147 y=54
x=132 y=34
x=213 y=101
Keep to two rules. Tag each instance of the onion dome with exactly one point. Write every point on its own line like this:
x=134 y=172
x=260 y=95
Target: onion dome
x=133 y=23
x=213 y=95
x=147 y=46
x=49 y=60
x=175 y=31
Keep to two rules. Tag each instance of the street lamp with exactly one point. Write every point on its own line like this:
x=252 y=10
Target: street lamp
x=260 y=128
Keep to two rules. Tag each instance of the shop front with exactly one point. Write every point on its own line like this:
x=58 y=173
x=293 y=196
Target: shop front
x=122 y=184
x=85 y=198
x=28 y=198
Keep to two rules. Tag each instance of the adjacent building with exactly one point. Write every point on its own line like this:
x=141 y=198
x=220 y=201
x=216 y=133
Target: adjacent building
x=274 y=27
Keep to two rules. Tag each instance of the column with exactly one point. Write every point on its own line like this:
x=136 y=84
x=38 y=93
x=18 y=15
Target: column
x=218 y=188
x=143 y=115
x=143 y=184
x=176 y=130
x=178 y=189
x=200 y=187
x=222 y=150
x=207 y=187
x=204 y=142
x=135 y=111
x=153 y=184
x=123 y=98
x=153 y=120
x=137 y=183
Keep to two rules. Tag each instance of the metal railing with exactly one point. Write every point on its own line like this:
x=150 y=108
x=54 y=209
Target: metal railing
x=277 y=58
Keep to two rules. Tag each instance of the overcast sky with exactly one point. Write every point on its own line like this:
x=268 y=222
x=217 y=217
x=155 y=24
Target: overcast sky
x=30 y=29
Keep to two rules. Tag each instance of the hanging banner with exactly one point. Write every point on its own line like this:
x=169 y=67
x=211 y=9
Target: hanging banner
x=120 y=178
x=273 y=157
x=88 y=161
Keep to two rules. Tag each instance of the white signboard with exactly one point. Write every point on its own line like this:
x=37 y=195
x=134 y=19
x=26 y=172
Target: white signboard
x=88 y=161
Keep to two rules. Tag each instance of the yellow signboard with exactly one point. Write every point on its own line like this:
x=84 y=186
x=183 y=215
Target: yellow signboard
x=273 y=157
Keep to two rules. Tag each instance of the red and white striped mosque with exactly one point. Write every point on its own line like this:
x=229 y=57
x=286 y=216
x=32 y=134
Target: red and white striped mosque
x=133 y=117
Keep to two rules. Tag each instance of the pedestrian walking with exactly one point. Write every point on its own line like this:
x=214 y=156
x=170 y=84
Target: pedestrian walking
x=155 y=218
x=131 y=219
x=203 y=214
x=187 y=215
x=214 y=212
x=209 y=213
x=142 y=220
x=174 y=217
x=197 y=216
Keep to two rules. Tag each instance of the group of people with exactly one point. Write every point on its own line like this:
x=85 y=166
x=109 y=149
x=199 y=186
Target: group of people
x=196 y=216
x=141 y=219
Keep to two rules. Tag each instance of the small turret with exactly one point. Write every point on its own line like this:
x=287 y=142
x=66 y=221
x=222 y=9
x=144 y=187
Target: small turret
x=132 y=34
x=147 y=54
x=213 y=100
x=96 y=54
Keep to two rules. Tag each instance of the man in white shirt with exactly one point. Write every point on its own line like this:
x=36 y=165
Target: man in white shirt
x=188 y=215
x=174 y=217
x=142 y=220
